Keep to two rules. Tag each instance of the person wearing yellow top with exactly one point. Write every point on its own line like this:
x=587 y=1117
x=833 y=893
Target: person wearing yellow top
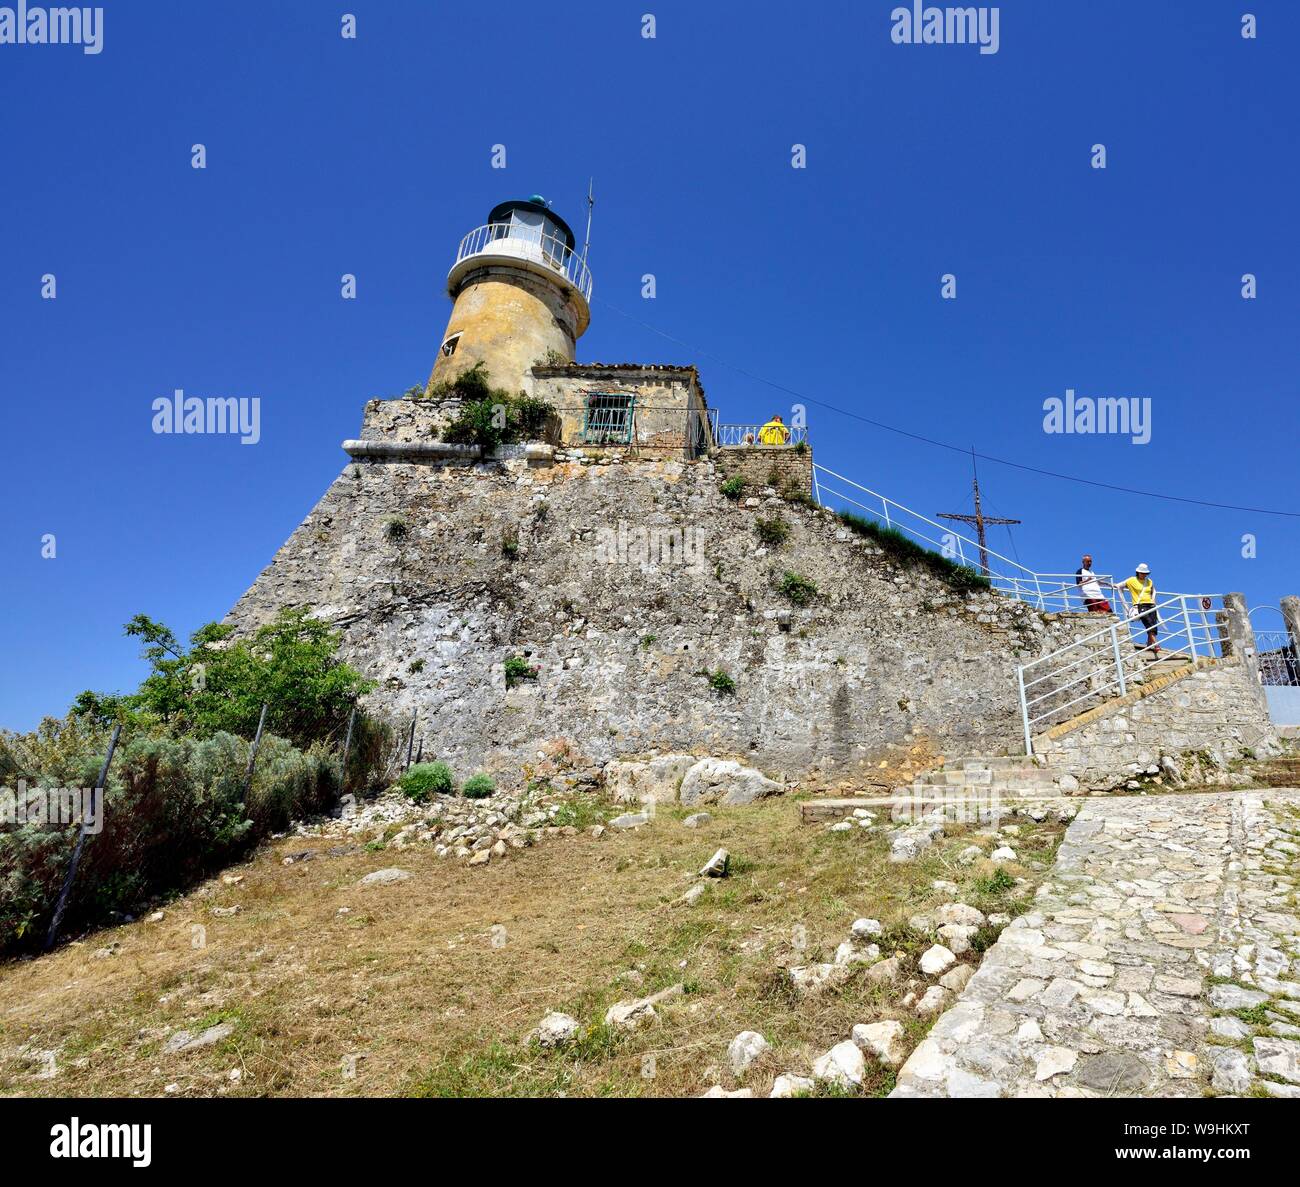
x=1142 y=593
x=773 y=433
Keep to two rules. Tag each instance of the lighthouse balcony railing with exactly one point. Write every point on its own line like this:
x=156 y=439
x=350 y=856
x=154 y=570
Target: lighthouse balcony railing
x=528 y=243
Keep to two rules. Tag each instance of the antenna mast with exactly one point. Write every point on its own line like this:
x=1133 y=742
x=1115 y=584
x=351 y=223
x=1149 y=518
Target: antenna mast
x=591 y=202
x=979 y=519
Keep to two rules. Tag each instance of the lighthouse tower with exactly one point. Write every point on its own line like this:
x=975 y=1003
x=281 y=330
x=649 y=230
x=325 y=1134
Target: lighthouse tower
x=520 y=295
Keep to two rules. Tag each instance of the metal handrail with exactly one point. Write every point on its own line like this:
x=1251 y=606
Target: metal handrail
x=550 y=250
x=1044 y=591
x=1193 y=627
x=748 y=435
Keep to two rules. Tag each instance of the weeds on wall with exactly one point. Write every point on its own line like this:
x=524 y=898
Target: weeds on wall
x=960 y=578
x=490 y=416
x=772 y=532
x=519 y=669
x=799 y=589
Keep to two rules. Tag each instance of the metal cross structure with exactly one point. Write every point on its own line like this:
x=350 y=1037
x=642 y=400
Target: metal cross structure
x=979 y=519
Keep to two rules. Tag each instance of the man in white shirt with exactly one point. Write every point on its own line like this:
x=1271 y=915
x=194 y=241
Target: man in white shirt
x=1094 y=597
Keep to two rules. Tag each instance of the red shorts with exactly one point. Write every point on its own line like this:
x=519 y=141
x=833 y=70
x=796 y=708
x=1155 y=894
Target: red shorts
x=1097 y=605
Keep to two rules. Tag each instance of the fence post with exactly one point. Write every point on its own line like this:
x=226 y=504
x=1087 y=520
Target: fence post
x=1119 y=659
x=252 y=754
x=347 y=746
x=1187 y=626
x=62 y=904
x=410 y=742
x=1024 y=711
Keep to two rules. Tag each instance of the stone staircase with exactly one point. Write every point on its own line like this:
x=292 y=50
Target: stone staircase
x=1011 y=777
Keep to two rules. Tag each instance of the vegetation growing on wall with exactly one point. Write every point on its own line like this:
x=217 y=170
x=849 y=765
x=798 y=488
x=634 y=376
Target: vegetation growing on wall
x=799 y=589
x=961 y=578
x=490 y=416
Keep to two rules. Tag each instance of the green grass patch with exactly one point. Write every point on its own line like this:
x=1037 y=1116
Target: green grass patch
x=960 y=578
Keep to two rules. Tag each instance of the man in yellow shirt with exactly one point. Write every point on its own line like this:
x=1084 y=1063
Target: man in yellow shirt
x=1142 y=593
x=773 y=433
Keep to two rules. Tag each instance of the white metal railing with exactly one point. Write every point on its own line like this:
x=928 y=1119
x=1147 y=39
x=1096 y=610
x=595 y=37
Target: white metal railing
x=1044 y=591
x=529 y=243
x=749 y=435
x=1066 y=682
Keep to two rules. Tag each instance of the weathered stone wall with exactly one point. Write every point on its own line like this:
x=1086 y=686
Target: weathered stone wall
x=564 y=564
x=408 y=420
x=1217 y=710
x=785 y=467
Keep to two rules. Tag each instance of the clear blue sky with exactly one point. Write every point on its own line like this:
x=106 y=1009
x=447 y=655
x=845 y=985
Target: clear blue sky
x=372 y=156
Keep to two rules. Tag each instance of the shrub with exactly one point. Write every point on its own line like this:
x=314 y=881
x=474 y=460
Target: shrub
x=510 y=544
x=734 y=487
x=221 y=682
x=490 y=416
x=426 y=779
x=722 y=684
x=478 y=787
x=396 y=529
x=471 y=384
x=798 y=589
x=531 y=416
x=960 y=578
x=772 y=532
x=173 y=811
x=416 y=665
x=517 y=669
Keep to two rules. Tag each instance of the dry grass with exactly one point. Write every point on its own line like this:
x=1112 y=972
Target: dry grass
x=417 y=990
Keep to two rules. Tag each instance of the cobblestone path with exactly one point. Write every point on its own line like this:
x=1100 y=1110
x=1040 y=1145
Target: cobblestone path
x=1161 y=958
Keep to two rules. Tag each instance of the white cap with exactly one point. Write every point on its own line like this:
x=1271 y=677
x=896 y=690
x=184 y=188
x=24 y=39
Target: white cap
x=1143 y=569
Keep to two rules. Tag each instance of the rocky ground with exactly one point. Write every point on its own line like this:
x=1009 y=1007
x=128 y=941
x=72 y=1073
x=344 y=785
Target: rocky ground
x=475 y=831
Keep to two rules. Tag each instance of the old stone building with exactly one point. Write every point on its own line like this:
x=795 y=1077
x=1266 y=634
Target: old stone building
x=645 y=608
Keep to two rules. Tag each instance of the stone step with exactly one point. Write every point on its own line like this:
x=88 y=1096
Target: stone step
x=1026 y=776
x=819 y=811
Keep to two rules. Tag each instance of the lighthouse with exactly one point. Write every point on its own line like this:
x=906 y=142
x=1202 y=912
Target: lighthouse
x=520 y=296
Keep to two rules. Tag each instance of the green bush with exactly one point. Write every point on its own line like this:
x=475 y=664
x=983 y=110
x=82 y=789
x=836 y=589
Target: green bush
x=722 y=684
x=517 y=669
x=772 y=532
x=960 y=578
x=734 y=487
x=426 y=779
x=490 y=416
x=172 y=813
x=798 y=589
x=478 y=787
x=471 y=384
x=531 y=415
x=220 y=682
